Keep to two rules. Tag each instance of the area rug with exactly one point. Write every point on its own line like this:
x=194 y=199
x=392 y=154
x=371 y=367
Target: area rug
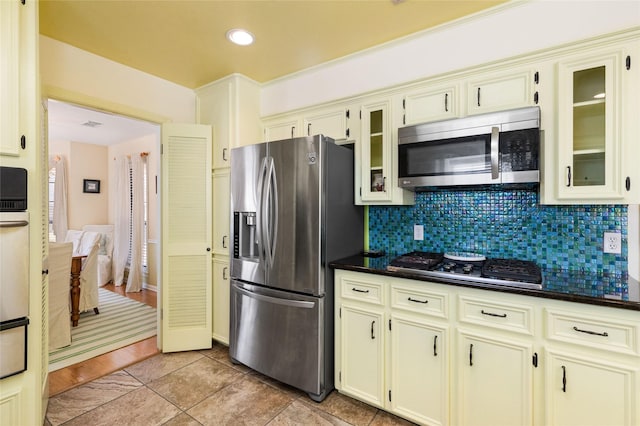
x=121 y=322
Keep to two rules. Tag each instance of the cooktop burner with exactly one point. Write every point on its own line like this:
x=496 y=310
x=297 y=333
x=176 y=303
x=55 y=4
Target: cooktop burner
x=470 y=267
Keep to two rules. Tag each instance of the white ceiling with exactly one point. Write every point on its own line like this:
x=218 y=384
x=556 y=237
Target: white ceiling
x=66 y=123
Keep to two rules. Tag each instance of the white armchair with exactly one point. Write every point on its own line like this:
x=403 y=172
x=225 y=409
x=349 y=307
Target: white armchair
x=105 y=253
x=59 y=276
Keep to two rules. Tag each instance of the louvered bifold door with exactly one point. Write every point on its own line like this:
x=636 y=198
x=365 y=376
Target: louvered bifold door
x=186 y=287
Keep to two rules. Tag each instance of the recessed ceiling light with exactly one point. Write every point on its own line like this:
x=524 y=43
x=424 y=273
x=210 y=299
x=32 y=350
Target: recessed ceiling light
x=240 y=36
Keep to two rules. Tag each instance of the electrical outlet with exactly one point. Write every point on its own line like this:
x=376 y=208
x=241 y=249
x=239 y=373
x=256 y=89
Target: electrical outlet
x=612 y=242
x=418 y=232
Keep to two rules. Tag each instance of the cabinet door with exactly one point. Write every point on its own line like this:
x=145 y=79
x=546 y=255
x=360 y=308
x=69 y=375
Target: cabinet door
x=282 y=130
x=362 y=354
x=589 y=127
x=419 y=383
x=331 y=123
x=213 y=109
x=493 y=93
x=9 y=76
x=495 y=381
x=430 y=105
x=221 y=212
x=221 y=300
x=581 y=391
x=375 y=153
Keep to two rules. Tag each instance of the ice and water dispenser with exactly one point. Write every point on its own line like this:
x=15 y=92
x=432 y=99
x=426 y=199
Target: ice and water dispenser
x=245 y=245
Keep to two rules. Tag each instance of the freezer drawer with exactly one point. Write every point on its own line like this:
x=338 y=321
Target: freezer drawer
x=279 y=334
x=13 y=347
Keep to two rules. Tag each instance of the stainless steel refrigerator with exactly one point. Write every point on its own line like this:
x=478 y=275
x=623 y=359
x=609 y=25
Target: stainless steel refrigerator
x=293 y=212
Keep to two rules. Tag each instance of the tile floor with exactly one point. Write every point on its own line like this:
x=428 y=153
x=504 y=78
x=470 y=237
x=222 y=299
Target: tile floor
x=202 y=388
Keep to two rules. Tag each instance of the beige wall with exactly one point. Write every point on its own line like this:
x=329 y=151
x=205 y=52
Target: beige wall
x=84 y=161
x=87 y=161
x=74 y=75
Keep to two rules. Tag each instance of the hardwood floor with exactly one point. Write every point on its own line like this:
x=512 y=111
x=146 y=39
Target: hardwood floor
x=91 y=369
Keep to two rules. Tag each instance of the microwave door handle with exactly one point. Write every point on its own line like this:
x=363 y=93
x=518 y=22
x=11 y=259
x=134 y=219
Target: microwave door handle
x=495 y=135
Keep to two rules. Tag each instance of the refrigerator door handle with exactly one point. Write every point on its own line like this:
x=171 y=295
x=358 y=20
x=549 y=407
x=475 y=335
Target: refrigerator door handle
x=273 y=198
x=260 y=214
x=276 y=300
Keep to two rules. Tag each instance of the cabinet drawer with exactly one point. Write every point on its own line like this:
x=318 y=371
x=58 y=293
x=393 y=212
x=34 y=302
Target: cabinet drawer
x=364 y=290
x=503 y=316
x=415 y=300
x=603 y=333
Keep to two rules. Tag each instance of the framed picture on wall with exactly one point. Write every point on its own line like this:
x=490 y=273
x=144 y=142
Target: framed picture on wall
x=91 y=186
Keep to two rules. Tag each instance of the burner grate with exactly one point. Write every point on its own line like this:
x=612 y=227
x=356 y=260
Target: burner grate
x=417 y=260
x=518 y=270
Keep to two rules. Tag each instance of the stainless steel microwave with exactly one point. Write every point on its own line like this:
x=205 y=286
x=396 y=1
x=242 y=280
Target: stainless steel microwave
x=494 y=148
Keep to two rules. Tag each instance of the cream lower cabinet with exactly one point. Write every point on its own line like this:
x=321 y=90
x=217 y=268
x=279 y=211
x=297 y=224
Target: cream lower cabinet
x=221 y=212
x=221 y=285
x=394 y=359
x=440 y=354
x=419 y=373
x=362 y=355
x=495 y=380
x=584 y=391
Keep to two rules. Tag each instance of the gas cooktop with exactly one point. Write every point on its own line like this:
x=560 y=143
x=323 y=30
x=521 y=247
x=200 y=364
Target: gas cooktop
x=470 y=267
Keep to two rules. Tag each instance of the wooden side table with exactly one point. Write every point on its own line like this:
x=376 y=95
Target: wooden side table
x=76 y=267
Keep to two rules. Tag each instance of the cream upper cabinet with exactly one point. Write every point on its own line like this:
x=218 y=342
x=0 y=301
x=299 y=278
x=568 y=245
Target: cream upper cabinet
x=431 y=104
x=596 y=128
x=376 y=157
x=284 y=129
x=221 y=212
x=221 y=300
x=496 y=90
x=10 y=136
x=333 y=123
x=232 y=107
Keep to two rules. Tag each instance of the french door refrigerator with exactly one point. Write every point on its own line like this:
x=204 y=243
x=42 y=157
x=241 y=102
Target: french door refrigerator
x=293 y=212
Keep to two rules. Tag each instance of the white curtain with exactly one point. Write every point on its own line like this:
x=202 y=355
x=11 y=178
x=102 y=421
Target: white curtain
x=60 y=199
x=122 y=212
x=134 y=282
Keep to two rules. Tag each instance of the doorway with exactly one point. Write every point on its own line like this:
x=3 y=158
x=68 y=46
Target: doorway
x=90 y=139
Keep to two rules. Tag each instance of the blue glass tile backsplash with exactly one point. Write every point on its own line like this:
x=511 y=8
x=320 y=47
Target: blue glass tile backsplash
x=504 y=223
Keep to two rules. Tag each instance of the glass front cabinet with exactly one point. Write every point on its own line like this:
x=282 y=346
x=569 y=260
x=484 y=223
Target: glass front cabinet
x=594 y=127
x=376 y=158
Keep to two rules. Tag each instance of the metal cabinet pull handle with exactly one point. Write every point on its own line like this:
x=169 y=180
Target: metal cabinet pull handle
x=478 y=96
x=564 y=379
x=293 y=129
x=491 y=314
x=224 y=273
x=360 y=291
x=372 y=335
x=435 y=345
x=471 y=354
x=224 y=241
x=568 y=175
x=594 y=333
x=446 y=102
x=224 y=154
x=410 y=299
x=309 y=129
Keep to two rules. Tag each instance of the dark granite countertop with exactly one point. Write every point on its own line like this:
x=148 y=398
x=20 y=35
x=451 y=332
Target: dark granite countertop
x=579 y=287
